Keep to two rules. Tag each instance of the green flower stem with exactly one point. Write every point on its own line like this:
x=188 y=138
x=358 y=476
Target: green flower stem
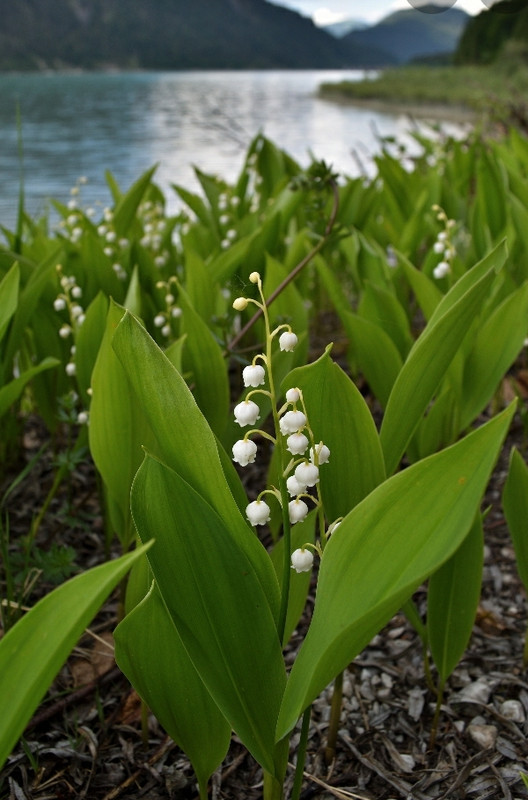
x=335 y=716
x=301 y=755
x=286 y=529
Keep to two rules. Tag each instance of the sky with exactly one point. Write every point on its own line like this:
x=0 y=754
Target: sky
x=326 y=11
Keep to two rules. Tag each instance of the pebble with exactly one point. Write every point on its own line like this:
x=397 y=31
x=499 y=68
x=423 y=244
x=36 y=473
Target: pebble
x=512 y=709
x=478 y=692
x=483 y=735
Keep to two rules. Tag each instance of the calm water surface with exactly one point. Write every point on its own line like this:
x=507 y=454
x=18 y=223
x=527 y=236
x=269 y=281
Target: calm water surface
x=84 y=124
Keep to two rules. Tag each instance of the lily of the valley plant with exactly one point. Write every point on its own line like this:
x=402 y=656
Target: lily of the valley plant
x=211 y=609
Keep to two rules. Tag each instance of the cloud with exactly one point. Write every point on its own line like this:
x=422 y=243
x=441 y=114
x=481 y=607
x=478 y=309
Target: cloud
x=325 y=16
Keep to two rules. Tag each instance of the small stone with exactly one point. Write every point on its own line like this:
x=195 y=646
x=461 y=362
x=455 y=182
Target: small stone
x=476 y=692
x=483 y=735
x=512 y=709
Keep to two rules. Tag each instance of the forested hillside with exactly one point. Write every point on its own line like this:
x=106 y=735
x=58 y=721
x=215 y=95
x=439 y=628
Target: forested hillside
x=494 y=33
x=161 y=34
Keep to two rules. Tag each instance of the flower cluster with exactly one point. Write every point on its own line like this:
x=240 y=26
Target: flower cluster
x=293 y=436
x=443 y=245
x=163 y=318
x=68 y=300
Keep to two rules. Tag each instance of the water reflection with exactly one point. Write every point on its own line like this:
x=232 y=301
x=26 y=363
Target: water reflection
x=82 y=124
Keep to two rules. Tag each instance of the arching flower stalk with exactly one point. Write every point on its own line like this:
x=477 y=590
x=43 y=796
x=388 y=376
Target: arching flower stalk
x=298 y=472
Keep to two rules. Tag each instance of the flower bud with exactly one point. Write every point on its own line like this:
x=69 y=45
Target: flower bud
x=307 y=474
x=297 y=511
x=159 y=320
x=246 y=413
x=253 y=375
x=323 y=453
x=70 y=368
x=291 y=422
x=254 y=277
x=287 y=341
x=258 y=512
x=240 y=304
x=59 y=304
x=297 y=444
x=293 y=395
x=302 y=560
x=244 y=452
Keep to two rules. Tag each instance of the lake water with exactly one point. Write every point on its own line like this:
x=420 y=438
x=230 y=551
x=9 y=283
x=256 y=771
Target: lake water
x=84 y=124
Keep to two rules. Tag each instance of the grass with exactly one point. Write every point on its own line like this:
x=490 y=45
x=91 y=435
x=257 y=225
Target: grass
x=473 y=88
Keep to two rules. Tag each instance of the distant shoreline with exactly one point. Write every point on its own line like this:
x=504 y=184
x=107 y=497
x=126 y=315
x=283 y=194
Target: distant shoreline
x=437 y=112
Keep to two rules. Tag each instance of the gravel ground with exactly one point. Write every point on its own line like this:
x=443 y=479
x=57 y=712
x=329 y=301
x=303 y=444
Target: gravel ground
x=85 y=739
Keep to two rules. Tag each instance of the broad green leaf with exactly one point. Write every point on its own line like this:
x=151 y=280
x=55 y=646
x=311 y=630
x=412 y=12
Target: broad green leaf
x=383 y=550
x=210 y=584
x=499 y=340
x=151 y=654
x=339 y=416
x=10 y=393
x=118 y=429
x=375 y=353
x=184 y=440
x=382 y=308
x=515 y=505
x=452 y=601
x=8 y=297
x=425 y=367
x=35 y=648
x=133 y=297
x=427 y=294
x=127 y=206
x=203 y=357
x=88 y=341
x=492 y=261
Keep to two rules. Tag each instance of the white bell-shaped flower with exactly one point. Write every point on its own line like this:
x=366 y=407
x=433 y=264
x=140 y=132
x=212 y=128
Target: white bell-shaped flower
x=291 y=422
x=297 y=510
x=246 y=413
x=287 y=341
x=302 y=560
x=323 y=453
x=258 y=512
x=244 y=452
x=307 y=473
x=297 y=444
x=441 y=270
x=294 y=487
x=253 y=375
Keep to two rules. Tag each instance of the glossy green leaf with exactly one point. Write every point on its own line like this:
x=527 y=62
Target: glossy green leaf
x=118 y=429
x=375 y=353
x=203 y=357
x=10 y=393
x=452 y=600
x=88 y=341
x=383 y=550
x=8 y=297
x=339 y=416
x=498 y=342
x=183 y=439
x=150 y=652
x=515 y=505
x=127 y=206
x=35 y=648
x=211 y=587
x=424 y=369
x=380 y=306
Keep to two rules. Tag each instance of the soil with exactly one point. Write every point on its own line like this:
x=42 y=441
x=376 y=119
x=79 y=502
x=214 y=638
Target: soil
x=85 y=739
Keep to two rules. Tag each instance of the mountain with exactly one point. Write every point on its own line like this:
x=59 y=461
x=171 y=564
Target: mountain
x=162 y=34
x=495 y=33
x=410 y=34
x=340 y=29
